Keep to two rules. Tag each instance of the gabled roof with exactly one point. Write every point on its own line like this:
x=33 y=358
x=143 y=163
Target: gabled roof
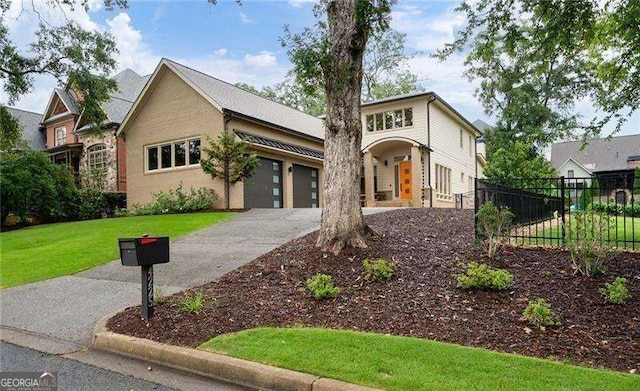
x=30 y=123
x=576 y=163
x=424 y=95
x=230 y=98
x=599 y=154
x=130 y=84
x=65 y=98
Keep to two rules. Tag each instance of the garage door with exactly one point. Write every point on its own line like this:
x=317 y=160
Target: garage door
x=305 y=187
x=264 y=188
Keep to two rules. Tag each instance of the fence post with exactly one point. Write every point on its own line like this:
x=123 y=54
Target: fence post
x=476 y=205
x=562 y=195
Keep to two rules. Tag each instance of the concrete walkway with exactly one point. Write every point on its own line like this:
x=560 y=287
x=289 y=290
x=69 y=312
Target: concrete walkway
x=58 y=315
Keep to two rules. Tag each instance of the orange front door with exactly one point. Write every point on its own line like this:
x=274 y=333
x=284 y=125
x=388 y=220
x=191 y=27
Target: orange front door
x=405 y=180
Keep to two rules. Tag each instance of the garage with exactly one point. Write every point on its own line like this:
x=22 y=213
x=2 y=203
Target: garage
x=305 y=187
x=264 y=188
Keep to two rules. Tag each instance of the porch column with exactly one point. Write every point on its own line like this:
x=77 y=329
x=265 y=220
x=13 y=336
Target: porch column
x=368 y=179
x=416 y=176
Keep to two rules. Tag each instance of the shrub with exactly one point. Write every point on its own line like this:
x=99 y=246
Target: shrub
x=96 y=204
x=33 y=187
x=539 y=313
x=321 y=286
x=482 y=276
x=378 y=269
x=614 y=209
x=616 y=292
x=193 y=303
x=178 y=201
x=587 y=242
x=493 y=222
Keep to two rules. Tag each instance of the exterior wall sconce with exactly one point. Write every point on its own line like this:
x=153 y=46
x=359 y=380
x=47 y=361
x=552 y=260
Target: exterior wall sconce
x=386 y=163
x=290 y=168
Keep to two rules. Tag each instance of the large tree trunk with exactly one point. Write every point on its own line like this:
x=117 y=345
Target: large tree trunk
x=342 y=223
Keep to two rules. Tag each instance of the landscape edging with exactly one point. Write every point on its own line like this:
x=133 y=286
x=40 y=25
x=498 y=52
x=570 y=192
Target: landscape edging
x=212 y=365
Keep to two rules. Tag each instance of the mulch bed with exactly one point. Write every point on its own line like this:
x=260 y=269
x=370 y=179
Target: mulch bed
x=422 y=299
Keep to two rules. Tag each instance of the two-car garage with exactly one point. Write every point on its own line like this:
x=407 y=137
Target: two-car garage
x=267 y=187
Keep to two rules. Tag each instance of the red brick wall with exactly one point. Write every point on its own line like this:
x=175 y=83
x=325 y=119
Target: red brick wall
x=122 y=164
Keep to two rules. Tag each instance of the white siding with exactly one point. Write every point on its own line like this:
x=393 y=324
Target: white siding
x=578 y=171
x=445 y=142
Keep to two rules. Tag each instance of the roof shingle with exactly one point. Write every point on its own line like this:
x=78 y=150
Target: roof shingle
x=600 y=154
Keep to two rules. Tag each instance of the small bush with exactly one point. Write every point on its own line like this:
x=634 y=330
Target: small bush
x=616 y=292
x=545 y=273
x=97 y=204
x=321 y=286
x=493 y=222
x=178 y=201
x=587 y=242
x=378 y=269
x=482 y=276
x=539 y=313
x=193 y=303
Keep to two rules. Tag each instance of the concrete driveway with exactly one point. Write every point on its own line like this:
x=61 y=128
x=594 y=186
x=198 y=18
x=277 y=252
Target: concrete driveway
x=58 y=315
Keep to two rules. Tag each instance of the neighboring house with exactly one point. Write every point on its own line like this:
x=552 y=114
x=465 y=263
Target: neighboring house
x=481 y=146
x=97 y=156
x=30 y=123
x=166 y=128
x=418 y=151
x=612 y=162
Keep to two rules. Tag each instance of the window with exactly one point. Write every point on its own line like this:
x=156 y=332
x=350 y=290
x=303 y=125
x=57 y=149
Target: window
x=461 y=140
x=470 y=145
x=370 y=123
x=389 y=120
x=443 y=182
x=570 y=173
x=61 y=136
x=182 y=153
x=97 y=157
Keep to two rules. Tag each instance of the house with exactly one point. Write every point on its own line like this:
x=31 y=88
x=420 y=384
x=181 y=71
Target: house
x=93 y=156
x=611 y=161
x=418 y=151
x=30 y=123
x=179 y=107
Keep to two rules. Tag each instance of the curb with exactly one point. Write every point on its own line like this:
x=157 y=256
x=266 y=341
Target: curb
x=212 y=365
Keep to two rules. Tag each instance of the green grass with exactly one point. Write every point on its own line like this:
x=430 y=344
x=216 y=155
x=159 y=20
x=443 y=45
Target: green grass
x=47 y=251
x=400 y=363
x=626 y=230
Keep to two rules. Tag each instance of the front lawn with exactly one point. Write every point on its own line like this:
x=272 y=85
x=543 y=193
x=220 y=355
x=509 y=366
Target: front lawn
x=47 y=251
x=625 y=229
x=400 y=363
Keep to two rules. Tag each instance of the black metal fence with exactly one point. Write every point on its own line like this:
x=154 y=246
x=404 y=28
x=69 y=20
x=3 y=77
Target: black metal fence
x=551 y=211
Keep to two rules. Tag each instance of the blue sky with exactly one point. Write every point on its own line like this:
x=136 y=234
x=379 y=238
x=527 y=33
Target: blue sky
x=241 y=43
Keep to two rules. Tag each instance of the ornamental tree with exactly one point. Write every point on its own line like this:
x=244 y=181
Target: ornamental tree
x=227 y=158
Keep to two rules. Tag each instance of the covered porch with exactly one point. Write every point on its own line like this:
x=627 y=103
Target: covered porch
x=395 y=173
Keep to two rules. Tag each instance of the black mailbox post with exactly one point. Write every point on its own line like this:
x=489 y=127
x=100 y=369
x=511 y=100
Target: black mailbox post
x=145 y=252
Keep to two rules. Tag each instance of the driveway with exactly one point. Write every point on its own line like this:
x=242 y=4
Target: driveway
x=58 y=315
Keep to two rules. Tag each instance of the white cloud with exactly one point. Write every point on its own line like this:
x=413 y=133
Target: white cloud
x=263 y=59
x=300 y=3
x=133 y=51
x=245 y=19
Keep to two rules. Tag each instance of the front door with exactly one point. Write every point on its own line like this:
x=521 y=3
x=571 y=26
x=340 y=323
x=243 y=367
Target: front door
x=405 y=180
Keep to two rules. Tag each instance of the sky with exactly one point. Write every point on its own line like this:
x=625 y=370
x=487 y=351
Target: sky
x=241 y=43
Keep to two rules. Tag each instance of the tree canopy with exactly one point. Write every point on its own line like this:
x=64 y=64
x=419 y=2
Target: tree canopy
x=10 y=131
x=537 y=59
x=75 y=57
x=384 y=74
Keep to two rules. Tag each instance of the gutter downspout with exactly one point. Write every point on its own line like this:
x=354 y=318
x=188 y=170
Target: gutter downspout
x=433 y=98
x=227 y=118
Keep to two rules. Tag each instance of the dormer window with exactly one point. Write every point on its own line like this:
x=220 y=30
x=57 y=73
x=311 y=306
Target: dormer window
x=389 y=120
x=61 y=136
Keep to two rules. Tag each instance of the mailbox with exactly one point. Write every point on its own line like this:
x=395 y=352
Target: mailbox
x=144 y=251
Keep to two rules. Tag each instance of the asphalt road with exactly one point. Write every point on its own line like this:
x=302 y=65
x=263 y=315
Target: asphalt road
x=72 y=375
x=94 y=370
